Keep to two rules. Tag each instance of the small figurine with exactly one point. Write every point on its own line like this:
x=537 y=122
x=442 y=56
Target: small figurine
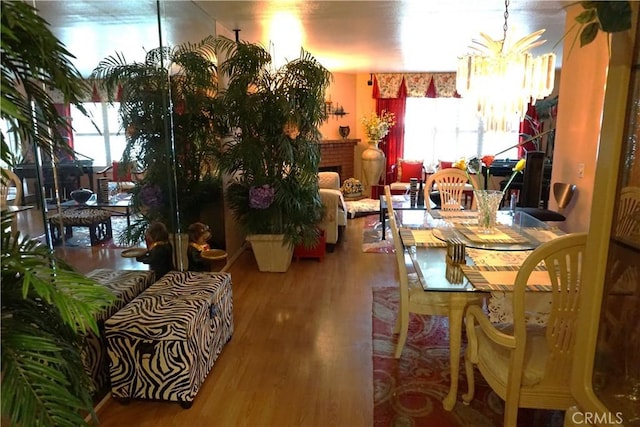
x=198 y=236
x=159 y=253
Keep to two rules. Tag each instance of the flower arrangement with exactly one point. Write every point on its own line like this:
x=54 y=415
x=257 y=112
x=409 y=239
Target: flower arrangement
x=377 y=127
x=351 y=186
x=261 y=197
x=474 y=166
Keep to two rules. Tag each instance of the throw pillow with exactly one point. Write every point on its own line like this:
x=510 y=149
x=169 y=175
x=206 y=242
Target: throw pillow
x=409 y=169
x=445 y=165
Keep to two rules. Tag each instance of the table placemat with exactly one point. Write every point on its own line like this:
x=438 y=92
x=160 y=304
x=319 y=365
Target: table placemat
x=440 y=214
x=502 y=278
x=420 y=237
x=543 y=234
x=485 y=258
x=502 y=234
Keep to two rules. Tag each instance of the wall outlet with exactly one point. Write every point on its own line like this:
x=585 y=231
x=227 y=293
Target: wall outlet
x=580 y=170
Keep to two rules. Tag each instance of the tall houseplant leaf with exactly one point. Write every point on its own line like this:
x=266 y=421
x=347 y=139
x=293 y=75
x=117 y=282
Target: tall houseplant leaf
x=46 y=306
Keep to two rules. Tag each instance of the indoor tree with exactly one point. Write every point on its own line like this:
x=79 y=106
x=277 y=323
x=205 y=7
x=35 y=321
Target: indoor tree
x=166 y=112
x=46 y=306
x=268 y=118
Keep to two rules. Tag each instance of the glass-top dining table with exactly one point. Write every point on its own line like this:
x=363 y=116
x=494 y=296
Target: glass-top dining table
x=491 y=262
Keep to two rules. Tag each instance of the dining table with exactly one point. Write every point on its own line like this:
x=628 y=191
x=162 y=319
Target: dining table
x=485 y=263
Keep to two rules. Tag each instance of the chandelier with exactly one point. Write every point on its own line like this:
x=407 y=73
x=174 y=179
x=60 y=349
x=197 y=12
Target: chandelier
x=502 y=77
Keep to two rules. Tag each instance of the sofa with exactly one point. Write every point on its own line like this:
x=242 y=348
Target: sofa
x=335 y=210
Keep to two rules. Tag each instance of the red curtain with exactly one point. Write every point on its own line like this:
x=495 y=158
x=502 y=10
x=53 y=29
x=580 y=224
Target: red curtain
x=528 y=127
x=393 y=147
x=67 y=130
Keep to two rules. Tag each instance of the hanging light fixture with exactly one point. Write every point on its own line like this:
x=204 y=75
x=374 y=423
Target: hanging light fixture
x=503 y=77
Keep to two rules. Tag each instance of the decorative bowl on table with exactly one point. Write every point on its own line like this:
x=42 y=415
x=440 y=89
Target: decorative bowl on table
x=81 y=195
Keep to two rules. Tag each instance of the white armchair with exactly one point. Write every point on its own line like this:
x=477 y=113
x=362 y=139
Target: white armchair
x=335 y=210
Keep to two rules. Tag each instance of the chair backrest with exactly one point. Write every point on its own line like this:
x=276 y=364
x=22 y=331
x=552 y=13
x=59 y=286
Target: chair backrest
x=403 y=275
x=628 y=219
x=450 y=183
x=328 y=179
x=532 y=180
x=387 y=197
x=564 y=259
x=10 y=188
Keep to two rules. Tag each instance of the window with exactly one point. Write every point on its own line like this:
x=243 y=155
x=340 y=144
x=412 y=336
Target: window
x=103 y=146
x=448 y=129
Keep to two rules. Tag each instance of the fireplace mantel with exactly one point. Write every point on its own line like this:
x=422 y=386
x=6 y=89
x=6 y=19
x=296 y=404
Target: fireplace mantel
x=340 y=141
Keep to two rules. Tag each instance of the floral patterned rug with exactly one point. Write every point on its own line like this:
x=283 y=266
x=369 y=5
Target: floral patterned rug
x=409 y=391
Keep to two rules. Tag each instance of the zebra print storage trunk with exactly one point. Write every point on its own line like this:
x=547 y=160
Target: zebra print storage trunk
x=125 y=285
x=163 y=344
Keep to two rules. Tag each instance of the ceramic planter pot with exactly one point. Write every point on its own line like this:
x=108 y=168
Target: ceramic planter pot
x=272 y=254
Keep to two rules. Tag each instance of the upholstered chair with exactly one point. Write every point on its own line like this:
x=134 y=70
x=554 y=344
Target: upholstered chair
x=335 y=210
x=401 y=173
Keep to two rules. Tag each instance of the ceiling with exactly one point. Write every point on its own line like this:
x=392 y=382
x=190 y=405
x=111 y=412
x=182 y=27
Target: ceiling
x=345 y=36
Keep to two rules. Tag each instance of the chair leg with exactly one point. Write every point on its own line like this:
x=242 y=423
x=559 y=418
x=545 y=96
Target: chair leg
x=403 y=320
x=471 y=383
x=510 y=415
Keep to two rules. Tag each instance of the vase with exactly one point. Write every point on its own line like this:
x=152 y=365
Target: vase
x=344 y=131
x=271 y=252
x=488 y=202
x=373 y=161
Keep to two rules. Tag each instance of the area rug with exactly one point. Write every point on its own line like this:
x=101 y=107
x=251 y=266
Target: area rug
x=81 y=237
x=409 y=391
x=372 y=241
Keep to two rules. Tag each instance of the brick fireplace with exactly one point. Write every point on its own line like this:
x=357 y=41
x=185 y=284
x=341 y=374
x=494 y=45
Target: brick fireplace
x=337 y=155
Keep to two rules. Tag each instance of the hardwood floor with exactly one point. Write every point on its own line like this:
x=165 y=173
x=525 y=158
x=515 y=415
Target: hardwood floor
x=301 y=353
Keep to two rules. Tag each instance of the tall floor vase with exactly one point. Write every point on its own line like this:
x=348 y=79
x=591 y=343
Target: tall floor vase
x=373 y=161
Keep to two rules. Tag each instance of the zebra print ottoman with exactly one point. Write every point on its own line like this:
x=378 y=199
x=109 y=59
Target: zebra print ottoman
x=163 y=344
x=125 y=285
x=98 y=221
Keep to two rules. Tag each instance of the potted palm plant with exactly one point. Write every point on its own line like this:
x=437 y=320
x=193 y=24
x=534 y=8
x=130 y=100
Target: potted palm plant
x=46 y=306
x=269 y=119
x=166 y=111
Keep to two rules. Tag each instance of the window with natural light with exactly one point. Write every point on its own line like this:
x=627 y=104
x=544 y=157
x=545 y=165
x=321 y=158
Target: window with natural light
x=98 y=136
x=449 y=128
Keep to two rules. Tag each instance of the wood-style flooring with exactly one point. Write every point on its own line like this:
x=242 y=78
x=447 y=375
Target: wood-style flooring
x=301 y=353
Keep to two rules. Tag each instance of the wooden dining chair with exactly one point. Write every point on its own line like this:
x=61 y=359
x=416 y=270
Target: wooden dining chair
x=529 y=366
x=628 y=222
x=451 y=184
x=10 y=188
x=413 y=298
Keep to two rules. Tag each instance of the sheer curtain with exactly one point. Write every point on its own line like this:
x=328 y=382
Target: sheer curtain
x=447 y=129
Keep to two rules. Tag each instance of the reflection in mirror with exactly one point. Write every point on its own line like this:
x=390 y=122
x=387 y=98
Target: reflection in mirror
x=616 y=376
